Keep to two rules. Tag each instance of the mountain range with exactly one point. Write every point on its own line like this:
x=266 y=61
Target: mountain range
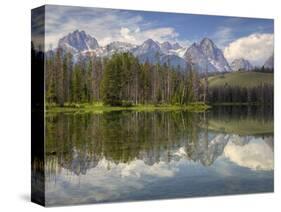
x=204 y=56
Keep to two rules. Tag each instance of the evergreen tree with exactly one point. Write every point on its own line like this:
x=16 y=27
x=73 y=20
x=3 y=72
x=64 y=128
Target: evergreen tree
x=111 y=82
x=59 y=78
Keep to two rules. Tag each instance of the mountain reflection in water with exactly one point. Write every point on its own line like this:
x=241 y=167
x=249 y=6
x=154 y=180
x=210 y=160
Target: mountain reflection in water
x=119 y=156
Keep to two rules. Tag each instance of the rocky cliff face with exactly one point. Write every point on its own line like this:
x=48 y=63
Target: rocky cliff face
x=78 y=41
x=207 y=56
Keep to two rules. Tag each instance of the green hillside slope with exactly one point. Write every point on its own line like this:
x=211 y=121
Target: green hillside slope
x=243 y=79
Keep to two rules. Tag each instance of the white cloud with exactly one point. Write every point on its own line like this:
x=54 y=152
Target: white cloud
x=127 y=35
x=137 y=36
x=256 y=155
x=256 y=48
x=103 y=183
x=105 y=25
x=161 y=34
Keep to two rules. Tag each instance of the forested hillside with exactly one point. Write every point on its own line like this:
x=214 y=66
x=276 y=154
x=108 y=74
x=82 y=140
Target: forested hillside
x=120 y=80
x=242 y=87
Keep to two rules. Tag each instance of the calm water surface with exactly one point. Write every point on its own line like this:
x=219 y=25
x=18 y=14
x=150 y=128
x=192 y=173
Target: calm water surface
x=124 y=156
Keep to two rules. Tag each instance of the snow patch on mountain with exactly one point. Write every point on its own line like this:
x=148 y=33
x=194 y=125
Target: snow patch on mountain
x=206 y=56
x=154 y=52
x=241 y=64
x=78 y=41
x=197 y=59
x=114 y=47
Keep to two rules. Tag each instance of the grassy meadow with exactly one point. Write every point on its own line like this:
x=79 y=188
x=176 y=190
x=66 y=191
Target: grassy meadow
x=242 y=79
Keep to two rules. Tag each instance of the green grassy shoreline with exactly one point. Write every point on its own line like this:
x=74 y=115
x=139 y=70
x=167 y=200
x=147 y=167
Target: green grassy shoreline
x=100 y=108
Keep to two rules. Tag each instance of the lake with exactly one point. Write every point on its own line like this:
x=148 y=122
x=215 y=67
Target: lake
x=130 y=155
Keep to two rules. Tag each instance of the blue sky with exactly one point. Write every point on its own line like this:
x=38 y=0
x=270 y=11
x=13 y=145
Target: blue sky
x=195 y=27
x=108 y=25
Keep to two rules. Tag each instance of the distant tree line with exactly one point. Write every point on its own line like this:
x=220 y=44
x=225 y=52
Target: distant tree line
x=262 y=94
x=263 y=69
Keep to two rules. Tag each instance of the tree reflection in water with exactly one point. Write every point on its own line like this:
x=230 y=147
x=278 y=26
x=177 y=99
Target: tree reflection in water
x=122 y=156
x=78 y=142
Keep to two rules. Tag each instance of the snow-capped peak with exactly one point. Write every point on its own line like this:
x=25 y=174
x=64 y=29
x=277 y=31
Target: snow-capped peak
x=79 y=41
x=241 y=64
x=166 y=46
x=207 y=42
x=177 y=46
x=115 y=45
x=148 y=46
x=209 y=48
x=207 y=55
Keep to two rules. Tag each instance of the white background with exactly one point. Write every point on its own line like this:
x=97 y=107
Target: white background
x=15 y=104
